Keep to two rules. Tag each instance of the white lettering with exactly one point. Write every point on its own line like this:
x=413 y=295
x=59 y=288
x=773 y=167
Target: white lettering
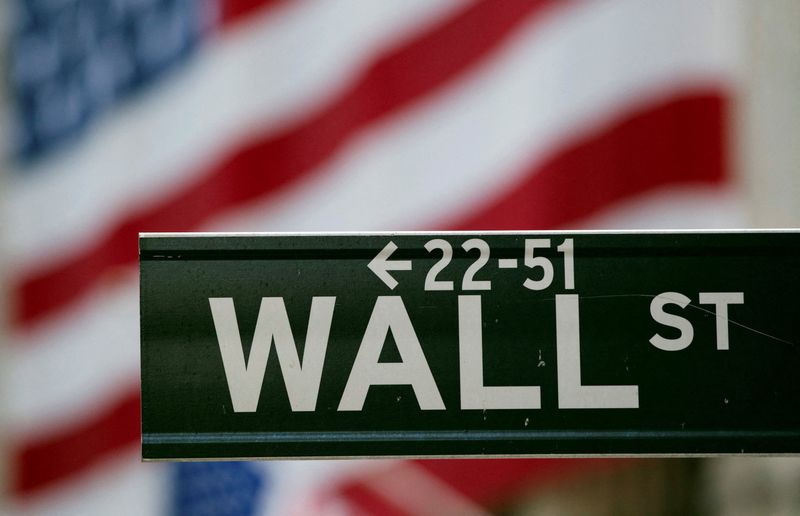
x=721 y=300
x=389 y=313
x=245 y=378
x=683 y=340
x=571 y=393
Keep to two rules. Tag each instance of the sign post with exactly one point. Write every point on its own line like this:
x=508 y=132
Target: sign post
x=466 y=344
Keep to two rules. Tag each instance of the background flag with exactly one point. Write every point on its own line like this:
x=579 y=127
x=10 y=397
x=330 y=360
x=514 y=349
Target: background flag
x=269 y=115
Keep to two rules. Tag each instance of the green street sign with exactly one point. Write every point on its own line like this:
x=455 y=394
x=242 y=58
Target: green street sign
x=470 y=344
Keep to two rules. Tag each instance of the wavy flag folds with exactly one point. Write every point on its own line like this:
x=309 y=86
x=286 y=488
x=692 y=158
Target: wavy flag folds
x=259 y=115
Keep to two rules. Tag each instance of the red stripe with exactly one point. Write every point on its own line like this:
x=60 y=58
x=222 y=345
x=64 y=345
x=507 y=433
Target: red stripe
x=680 y=141
x=232 y=11
x=489 y=481
x=267 y=165
x=485 y=482
x=40 y=463
x=363 y=500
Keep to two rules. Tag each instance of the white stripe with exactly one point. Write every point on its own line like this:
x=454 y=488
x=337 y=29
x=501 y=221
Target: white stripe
x=464 y=146
x=121 y=485
x=70 y=367
x=262 y=74
x=432 y=163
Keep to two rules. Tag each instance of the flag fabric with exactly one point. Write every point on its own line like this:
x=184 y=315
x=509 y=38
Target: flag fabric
x=269 y=115
x=218 y=488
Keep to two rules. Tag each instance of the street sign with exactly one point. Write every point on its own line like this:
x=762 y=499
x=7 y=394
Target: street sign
x=467 y=344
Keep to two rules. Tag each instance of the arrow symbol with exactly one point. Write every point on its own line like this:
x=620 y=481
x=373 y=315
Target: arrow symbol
x=381 y=265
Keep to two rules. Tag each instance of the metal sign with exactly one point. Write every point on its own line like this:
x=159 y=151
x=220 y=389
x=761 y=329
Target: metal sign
x=461 y=344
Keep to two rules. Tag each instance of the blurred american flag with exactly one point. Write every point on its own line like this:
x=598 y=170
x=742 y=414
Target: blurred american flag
x=269 y=115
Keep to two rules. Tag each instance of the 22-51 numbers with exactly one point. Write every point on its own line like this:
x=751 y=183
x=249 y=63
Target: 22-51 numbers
x=545 y=271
